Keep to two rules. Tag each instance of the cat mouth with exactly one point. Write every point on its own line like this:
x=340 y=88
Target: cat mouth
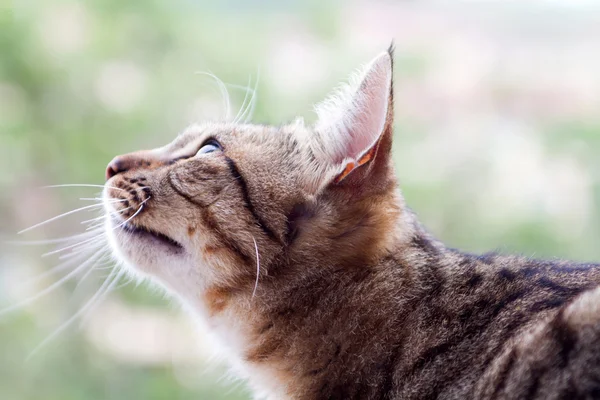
x=148 y=234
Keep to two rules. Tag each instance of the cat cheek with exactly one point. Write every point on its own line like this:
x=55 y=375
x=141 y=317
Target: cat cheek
x=200 y=184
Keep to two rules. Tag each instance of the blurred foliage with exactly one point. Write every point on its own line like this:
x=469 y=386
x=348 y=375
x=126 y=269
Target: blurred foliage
x=81 y=82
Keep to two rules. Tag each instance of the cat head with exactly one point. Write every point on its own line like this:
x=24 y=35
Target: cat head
x=225 y=204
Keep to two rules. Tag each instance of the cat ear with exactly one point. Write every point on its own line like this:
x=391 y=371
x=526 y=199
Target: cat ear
x=353 y=121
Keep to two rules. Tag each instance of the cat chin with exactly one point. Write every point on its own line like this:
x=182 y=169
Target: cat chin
x=151 y=237
x=143 y=250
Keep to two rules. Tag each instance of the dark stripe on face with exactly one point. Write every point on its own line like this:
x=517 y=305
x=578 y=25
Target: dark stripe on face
x=186 y=196
x=211 y=224
x=235 y=172
x=214 y=228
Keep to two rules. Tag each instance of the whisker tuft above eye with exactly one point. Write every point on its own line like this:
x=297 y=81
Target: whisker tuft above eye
x=224 y=92
x=249 y=103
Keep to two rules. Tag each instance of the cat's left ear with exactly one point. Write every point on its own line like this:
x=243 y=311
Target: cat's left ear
x=355 y=124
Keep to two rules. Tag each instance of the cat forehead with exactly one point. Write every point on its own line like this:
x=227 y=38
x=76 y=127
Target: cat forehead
x=295 y=134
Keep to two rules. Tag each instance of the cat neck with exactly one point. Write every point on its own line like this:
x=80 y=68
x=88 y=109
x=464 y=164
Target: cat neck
x=289 y=326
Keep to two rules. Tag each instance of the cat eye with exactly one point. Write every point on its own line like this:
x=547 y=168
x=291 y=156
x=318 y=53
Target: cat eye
x=209 y=146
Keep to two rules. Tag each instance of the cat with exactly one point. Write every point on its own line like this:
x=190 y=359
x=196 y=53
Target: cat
x=294 y=247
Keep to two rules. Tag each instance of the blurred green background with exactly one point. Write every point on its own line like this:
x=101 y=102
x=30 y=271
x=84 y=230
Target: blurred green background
x=497 y=121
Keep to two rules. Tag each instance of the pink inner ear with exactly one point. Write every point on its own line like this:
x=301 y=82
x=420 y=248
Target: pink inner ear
x=367 y=120
x=368 y=156
x=352 y=121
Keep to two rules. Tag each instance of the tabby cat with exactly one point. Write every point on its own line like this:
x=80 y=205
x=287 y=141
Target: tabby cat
x=295 y=248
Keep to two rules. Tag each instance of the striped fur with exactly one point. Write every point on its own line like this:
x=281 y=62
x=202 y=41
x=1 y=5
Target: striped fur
x=355 y=300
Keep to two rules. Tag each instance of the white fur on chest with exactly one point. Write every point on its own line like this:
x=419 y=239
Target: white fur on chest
x=229 y=343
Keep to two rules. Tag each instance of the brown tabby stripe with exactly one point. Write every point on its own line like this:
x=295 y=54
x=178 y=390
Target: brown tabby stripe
x=319 y=370
x=232 y=244
x=388 y=368
x=235 y=172
x=488 y=310
x=504 y=372
x=182 y=194
x=211 y=223
x=565 y=337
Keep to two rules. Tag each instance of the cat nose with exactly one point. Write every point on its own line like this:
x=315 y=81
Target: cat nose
x=145 y=159
x=118 y=165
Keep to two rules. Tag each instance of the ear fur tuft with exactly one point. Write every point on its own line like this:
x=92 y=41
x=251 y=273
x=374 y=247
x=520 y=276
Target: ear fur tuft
x=351 y=121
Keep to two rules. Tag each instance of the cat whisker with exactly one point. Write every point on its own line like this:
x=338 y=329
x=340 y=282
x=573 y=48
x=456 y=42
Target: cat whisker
x=101 y=261
x=82 y=249
x=92 y=206
x=105 y=215
x=103 y=219
x=81 y=185
x=52 y=287
x=74 y=259
x=49 y=241
x=89 y=240
x=110 y=287
x=224 y=92
x=87 y=221
x=66 y=185
x=97 y=225
x=252 y=104
x=247 y=108
x=106 y=262
x=102 y=200
x=97 y=297
x=243 y=106
x=75 y=245
x=127 y=282
x=257 y=267
x=139 y=210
